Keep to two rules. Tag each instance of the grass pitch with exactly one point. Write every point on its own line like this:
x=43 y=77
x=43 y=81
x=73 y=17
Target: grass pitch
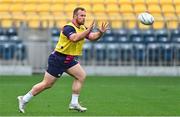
x=103 y=96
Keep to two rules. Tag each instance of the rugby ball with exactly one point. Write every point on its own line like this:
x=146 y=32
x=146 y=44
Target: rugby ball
x=146 y=18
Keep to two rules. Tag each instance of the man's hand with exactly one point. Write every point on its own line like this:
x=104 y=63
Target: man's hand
x=91 y=26
x=104 y=27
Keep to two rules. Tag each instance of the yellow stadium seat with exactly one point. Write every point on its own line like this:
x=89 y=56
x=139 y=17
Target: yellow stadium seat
x=127 y=8
x=6 y=1
x=159 y=22
x=168 y=8
x=168 y=2
x=71 y=1
x=98 y=8
x=115 y=20
x=177 y=9
x=139 y=2
x=97 y=1
x=57 y=8
x=85 y=2
x=30 y=8
x=7 y=23
x=100 y=16
x=88 y=7
x=19 y=1
x=70 y=7
x=4 y=7
x=112 y=8
x=154 y=8
x=150 y=2
x=45 y=1
x=139 y=8
x=131 y=24
x=33 y=21
x=123 y=2
x=31 y=1
x=176 y=2
x=43 y=8
x=172 y=24
x=17 y=12
x=110 y=2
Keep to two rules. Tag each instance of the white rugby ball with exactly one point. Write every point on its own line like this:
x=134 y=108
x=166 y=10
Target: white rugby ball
x=146 y=18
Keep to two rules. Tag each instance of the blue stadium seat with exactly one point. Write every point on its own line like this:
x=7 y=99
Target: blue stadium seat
x=153 y=53
x=113 y=53
x=109 y=39
x=162 y=35
x=167 y=54
x=8 y=50
x=20 y=51
x=87 y=52
x=177 y=53
x=15 y=39
x=11 y=32
x=122 y=35
x=149 y=36
x=175 y=35
x=100 y=53
x=126 y=52
x=2 y=32
x=55 y=31
x=4 y=38
x=139 y=54
x=136 y=36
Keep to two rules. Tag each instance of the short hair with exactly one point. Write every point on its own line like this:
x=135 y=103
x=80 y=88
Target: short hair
x=77 y=9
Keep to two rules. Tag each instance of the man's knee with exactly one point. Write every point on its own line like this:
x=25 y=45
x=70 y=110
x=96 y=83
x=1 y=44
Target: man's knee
x=82 y=77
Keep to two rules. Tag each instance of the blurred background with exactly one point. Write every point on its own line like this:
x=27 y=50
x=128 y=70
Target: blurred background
x=29 y=31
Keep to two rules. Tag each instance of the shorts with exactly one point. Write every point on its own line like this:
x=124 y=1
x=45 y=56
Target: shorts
x=59 y=63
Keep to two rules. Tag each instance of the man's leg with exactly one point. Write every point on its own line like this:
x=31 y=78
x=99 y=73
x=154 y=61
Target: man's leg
x=79 y=74
x=47 y=82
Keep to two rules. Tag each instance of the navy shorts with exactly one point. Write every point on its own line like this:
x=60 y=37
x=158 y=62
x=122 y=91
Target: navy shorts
x=59 y=63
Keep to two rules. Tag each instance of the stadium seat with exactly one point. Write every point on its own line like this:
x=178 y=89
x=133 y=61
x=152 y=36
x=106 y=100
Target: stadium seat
x=97 y=2
x=177 y=54
x=111 y=2
x=126 y=51
x=46 y=1
x=4 y=38
x=154 y=8
x=112 y=8
x=139 y=2
x=12 y=31
x=100 y=53
x=125 y=2
x=149 y=36
x=176 y=2
x=15 y=39
x=153 y=54
x=87 y=53
x=8 y=51
x=167 y=54
x=20 y=51
x=160 y=22
x=175 y=35
x=150 y=2
x=31 y=1
x=168 y=2
x=113 y=53
x=98 y=8
x=17 y=13
x=136 y=36
x=163 y=35
x=139 y=8
x=122 y=35
x=139 y=53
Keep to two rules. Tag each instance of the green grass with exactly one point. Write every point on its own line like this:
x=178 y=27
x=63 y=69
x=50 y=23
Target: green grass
x=103 y=96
